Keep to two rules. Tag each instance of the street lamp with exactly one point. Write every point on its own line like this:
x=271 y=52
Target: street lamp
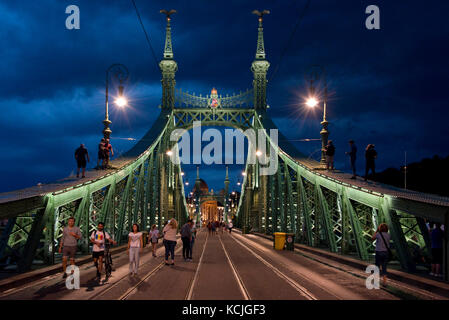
x=315 y=73
x=120 y=72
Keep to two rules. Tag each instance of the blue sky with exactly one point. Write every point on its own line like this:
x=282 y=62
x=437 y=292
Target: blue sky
x=388 y=86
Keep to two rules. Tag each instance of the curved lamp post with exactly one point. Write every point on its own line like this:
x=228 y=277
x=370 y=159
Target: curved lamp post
x=120 y=72
x=314 y=74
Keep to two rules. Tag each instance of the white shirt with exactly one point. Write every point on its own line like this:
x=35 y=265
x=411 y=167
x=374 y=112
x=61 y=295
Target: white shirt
x=135 y=239
x=169 y=233
x=98 y=237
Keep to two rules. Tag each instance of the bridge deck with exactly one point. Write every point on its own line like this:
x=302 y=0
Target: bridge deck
x=70 y=181
x=373 y=186
x=312 y=165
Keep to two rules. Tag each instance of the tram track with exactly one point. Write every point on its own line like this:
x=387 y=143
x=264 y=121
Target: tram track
x=294 y=284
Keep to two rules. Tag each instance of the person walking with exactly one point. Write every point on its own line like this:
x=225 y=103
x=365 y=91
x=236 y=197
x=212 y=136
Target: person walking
x=230 y=226
x=436 y=239
x=68 y=244
x=213 y=227
x=382 y=238
x=169 y=232
x=80 y=156
x=370 y=156
x=209 y=227
x=192 y=241
x=330 y=152
x=98 y=239
x=154 y=238
x=353 y=156
x=186 y=237
x=108 y=153
x=135 y=247
x=101 y=154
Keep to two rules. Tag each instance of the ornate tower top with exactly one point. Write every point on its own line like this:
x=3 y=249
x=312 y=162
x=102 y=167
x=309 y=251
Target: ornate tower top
x=168 y=50
x=260 y=52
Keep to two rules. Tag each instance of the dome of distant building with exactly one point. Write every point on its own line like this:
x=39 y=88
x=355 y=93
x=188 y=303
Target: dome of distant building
x=204 y=188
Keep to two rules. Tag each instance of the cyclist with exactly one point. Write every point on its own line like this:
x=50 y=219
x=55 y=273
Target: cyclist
x=98 y=238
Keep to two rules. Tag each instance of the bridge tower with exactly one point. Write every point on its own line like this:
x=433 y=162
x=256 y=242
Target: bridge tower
x=168 y=68
x=260 y=67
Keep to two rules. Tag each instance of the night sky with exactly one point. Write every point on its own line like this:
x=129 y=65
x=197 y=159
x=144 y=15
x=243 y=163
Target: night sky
x=388 y=87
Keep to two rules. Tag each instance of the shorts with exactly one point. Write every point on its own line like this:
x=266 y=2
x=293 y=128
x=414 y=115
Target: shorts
x=437 y=255
x=100 y=155
x=81 y=163
x=154 y=240
x=329 y=159
x=69 y=251
x=97 y=254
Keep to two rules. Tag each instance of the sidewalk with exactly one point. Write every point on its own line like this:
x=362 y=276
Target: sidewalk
x=434 y=286
x=23 y=278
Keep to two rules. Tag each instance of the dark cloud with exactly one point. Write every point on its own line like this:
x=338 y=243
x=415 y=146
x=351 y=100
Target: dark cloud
x=387 y=87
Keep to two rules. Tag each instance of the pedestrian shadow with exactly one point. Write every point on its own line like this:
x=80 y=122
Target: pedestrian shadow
x=91 y=284
x=44 y=291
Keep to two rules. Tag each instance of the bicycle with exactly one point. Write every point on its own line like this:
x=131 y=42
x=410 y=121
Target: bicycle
x=107 y=260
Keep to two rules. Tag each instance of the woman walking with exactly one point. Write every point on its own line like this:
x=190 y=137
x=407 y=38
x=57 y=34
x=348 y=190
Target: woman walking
x=382 y=238
x=135 y=245
x=154 y=237
x=169 y=232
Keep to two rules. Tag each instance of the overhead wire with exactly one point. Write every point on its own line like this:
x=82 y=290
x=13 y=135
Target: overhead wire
x=146 y=34
x=292 y=34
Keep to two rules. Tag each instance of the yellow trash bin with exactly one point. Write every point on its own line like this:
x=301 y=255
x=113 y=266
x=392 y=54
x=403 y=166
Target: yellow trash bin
x=279 y=240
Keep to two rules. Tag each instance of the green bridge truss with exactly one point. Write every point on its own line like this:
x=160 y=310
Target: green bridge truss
x=321 y=209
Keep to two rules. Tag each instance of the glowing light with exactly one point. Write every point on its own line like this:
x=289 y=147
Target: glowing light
x=169 y=153
x=187 y=183
x=243 y=173
x=182 y=173
x=121 y=102
x=312 y=102
x=258 y=153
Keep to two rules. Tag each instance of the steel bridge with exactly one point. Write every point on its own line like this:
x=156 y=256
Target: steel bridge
x=323 y=209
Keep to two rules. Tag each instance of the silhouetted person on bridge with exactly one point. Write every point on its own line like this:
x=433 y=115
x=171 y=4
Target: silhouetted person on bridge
x=370 y=156
x=436 y=239
x=329 y=150
x=353 y=156
x=186 y=237
x=68 y=244
x=108 y=153
x=101 y=154
x=169 y=232
x=80 y=156
x=383 y=252
x=135 y=247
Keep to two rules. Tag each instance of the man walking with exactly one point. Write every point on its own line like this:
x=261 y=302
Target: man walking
x=352 y=154
x=230 y=226
x=68 y=244
x=186 y=237
x=101 y=153
x=370 y=156
x=330 y=152
x=98 y=239
x=80 y=156
x=108 y=153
